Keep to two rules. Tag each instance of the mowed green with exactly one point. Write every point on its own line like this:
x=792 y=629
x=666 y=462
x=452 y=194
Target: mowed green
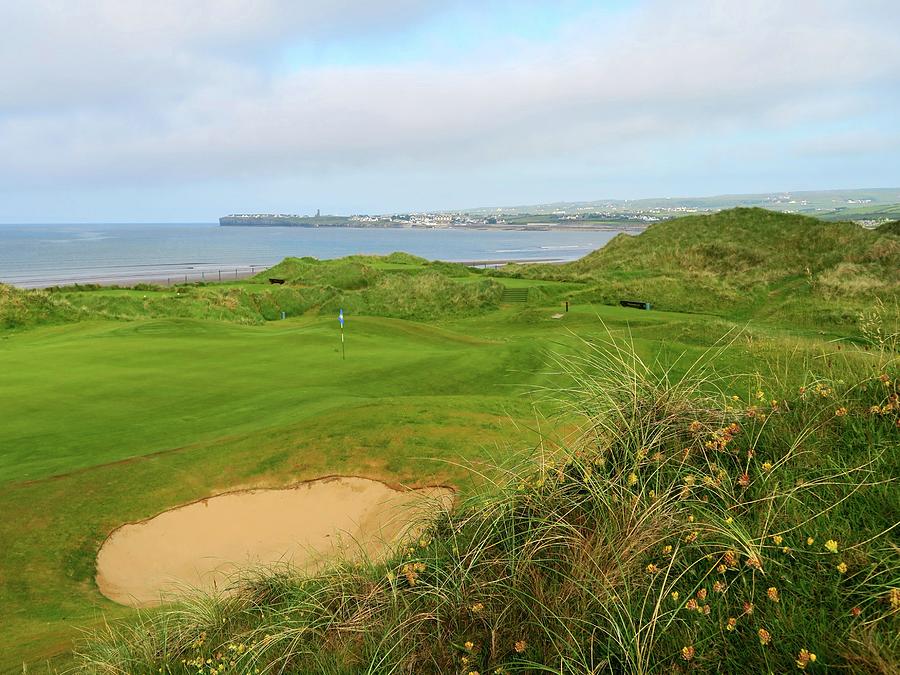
x=108 y=422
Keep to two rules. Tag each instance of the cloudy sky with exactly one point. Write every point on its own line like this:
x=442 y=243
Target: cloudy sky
x=184 y=110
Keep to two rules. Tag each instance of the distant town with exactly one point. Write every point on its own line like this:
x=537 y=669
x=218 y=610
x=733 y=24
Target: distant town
x=868 y=207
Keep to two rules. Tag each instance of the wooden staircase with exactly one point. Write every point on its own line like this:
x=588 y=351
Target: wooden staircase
x=514 y=295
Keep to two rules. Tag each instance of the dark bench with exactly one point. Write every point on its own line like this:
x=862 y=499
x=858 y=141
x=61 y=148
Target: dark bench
x=637 y=304
x=276 y=281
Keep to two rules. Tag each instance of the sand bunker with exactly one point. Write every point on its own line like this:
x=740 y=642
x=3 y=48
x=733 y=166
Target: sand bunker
x=202 y=544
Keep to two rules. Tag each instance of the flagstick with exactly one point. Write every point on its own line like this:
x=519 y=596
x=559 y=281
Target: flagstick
x=343 y=353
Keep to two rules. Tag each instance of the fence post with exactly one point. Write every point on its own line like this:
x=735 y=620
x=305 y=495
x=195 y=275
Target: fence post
x=220 y=275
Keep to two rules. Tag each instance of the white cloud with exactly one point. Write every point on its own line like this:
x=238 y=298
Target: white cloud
x=104 y=91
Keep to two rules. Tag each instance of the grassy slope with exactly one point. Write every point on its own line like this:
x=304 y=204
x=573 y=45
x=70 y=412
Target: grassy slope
x=744 y=263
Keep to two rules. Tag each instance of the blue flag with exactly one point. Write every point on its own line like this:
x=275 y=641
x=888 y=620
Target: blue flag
x=341 y=317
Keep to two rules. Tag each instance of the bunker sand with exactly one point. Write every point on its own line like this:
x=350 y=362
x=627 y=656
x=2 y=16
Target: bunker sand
x=203 y=544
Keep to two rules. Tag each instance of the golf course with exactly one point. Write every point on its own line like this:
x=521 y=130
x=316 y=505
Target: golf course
x=603 y=461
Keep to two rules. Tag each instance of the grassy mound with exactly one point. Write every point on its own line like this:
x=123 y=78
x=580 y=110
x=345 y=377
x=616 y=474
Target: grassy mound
x=746 y=263
x=398 y=286
x=679 y=530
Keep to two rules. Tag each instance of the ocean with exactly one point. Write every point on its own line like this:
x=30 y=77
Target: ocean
x=35 y=256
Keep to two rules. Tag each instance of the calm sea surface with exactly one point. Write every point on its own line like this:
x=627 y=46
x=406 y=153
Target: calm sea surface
x=44 y=255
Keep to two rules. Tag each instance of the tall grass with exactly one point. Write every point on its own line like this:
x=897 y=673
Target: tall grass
x=683 y=528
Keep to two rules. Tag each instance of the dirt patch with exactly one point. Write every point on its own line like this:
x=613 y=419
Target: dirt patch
x=202 y=544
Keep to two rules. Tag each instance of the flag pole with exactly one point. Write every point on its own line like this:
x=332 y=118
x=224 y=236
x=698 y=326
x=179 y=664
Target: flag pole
x=341 y=319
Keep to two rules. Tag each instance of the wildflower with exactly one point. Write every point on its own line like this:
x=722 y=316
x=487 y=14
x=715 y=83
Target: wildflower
x=744 y=480
x=691 y=537
x=691 y=605
x=884 y=379
x=477 y=607
x=840 y=412
x=695 y=426
x=855 y=611
x=469 y=645
x=842 y=567
x=731 y=558
x=704 y=610
x=760 y=395
x=764 y=636
x=731 y=624
x=690 y=519
x=520 y=646
x=875 y=409
x=721 y=569
x=687 y=653
x=754 y=562
x=895 y=598
x=729 y=520
x=667 y=550
x=773 y=594
x=767 y=466
x=786 y=550
x=777 y=539
x=810 y=541
x=632 y=478
x=652 y=569
x=748 y=607
x=804 y=658
x=831 y=545
x=701 y=594
x=675 y=595
x=719 y=586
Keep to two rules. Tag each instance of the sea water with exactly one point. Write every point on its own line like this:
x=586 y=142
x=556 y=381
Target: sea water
x=33 y=256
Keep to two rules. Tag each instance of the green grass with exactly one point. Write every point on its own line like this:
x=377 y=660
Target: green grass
x=121 y=403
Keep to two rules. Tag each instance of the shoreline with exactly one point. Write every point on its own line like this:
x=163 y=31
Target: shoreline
x=212 y=274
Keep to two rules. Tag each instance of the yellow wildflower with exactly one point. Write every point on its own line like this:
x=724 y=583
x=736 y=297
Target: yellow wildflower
x=773 y=594
x=804 y=658
x=477 y=607
x=731 y=624
x=520 y=646
x=777 y=539
x=469 y=645
x=764 y=636
x=687 y=653
x=632 y=478
x=810 y=541
x=842 y=567
x=675 y=595
x=831 y=545
x=767 y=466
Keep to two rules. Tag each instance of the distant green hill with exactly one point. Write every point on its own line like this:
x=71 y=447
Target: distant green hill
x=743 y=262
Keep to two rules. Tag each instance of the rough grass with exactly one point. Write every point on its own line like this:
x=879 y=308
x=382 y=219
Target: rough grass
x=746 y=263
x=680 y=529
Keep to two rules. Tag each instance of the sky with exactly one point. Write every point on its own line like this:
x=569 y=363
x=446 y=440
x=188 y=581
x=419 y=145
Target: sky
x=185 y=110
